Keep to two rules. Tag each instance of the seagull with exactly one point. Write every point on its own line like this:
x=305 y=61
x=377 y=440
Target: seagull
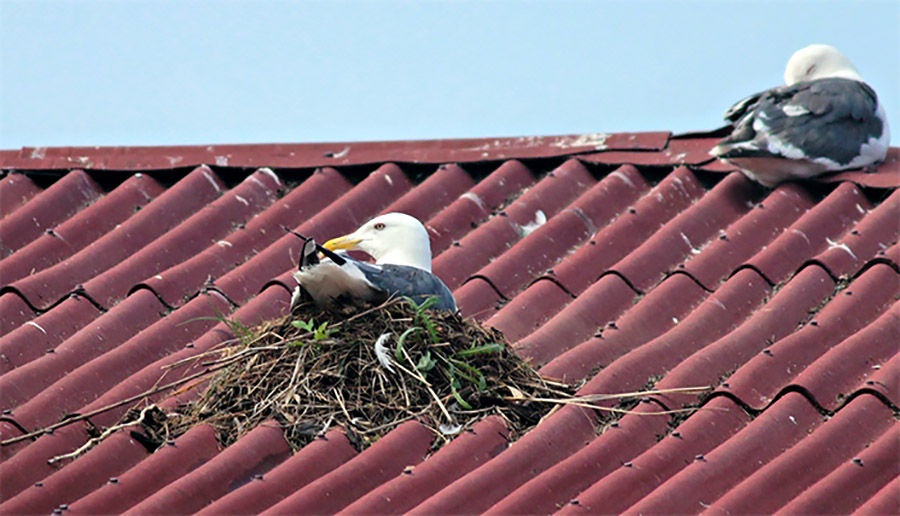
x=402 y=251
x=824 y=119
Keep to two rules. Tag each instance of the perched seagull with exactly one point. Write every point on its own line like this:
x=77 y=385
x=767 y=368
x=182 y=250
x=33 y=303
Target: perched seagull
x=825 y=119
x=402 y=251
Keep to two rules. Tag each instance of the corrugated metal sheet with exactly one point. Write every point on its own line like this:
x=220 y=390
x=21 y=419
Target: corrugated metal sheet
x=655 y=265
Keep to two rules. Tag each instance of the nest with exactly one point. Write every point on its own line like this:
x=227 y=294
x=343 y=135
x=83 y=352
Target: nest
x=368 y=372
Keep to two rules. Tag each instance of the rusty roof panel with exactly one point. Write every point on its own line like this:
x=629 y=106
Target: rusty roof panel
x=44 y=288
x=182 y=280
x=53 y=206
x=76 y=233
x=534 y=452
x=836 y=441
x=886 y=501
x=747 y=236
x=253 y=454
x=878 y=229
x=15 y=191
x=97 y=338
x=545 y=245
x=890 y=256
x=687 y=233
x=88 y=381
x=678 y=151
x=620 y=489
x=452 y=223
x=540 y=250
x=811 y=233
x=477 y=298
x=79 y=478
x=853 y=361
x=885 y=381
x=676 y=192
x=549 y=196
x=598 y=305
x=630 y=372
x=268 y=305
x=657 y=312
x=712 y=474
x=14 y=311
x=757 y=382
x=854 y=481
x=33 y=339
x=778 y=318
x=580 y=269
x=475 y=446
x=25 y=463
x=559 y=484
x=527 y=311
x=433 y=194
x=171 y=462
x=206 y=227
x=385 y=459
x=655 y=264
x=313 y=461
x=717 y=315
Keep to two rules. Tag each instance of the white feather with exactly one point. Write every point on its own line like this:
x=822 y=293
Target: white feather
x=448 y=429
x=382 y=353
x=539 y=220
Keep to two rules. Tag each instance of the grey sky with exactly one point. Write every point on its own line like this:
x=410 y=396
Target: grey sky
x=190 y=72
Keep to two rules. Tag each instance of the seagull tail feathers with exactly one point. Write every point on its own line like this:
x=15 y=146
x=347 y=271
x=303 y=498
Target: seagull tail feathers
x=738 y=149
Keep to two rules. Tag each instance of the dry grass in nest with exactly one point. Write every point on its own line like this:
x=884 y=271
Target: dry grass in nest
x=367 y=373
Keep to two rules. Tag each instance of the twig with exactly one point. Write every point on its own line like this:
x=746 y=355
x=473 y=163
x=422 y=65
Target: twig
x=396 y=422
x=340 y=400
x=434 y=395
x=100 y=438
x=578 y=403
x=285 y=395
x=263 y=378
x=81 y=417
x=368 y=311
x=626 y=411
x=237 y=356
x=603 y=397
x=215 y=349
x=326 y=426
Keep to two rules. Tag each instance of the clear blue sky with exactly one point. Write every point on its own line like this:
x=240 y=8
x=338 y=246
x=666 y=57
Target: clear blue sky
x=191 y=72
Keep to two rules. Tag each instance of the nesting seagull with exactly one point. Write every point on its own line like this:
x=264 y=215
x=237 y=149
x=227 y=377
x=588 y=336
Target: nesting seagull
x=402 y=251
x=824 y=119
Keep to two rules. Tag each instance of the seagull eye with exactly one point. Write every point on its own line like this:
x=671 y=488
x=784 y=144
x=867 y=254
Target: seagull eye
x=379 y=226
x=810 y=70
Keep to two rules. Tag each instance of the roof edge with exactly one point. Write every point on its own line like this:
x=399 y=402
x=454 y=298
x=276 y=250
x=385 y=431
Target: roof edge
x=302 y=155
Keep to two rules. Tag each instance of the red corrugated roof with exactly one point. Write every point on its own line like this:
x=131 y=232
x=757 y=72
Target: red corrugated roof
x=655 y=263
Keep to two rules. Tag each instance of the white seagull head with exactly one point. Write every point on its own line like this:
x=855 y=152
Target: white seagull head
x=392 y=238
x=819 y=62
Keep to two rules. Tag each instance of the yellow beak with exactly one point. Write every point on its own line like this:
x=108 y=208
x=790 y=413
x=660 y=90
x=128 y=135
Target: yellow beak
x=343 y=242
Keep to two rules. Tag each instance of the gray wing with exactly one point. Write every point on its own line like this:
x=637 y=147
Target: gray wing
x=739 y=109
x=828 y=118
x=403 y=280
